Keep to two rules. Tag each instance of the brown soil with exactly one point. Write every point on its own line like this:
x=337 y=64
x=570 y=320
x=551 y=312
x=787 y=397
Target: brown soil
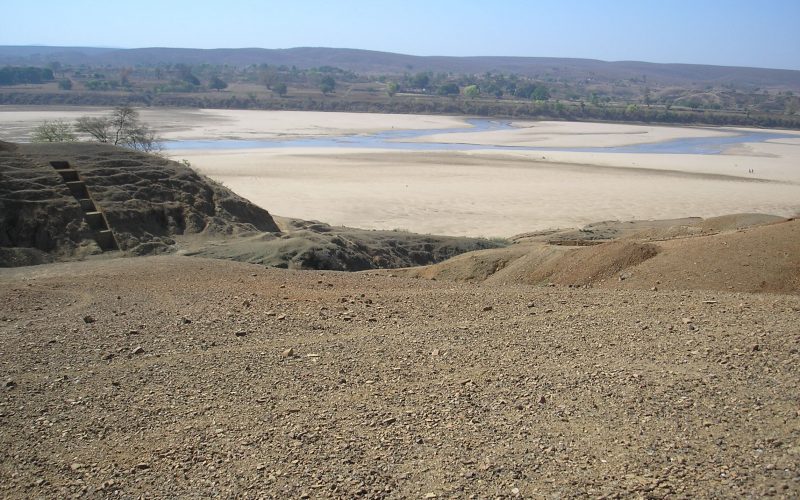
x=747 y=253
x=185 y=377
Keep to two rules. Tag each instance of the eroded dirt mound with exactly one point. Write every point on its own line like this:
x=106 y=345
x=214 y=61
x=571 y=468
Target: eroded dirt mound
x=146 y=201
x=315 y=245
x=756 y=259
x=594 y=264
x=749 y=252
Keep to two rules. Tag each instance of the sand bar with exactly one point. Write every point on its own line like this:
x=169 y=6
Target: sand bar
x=497 y=194
x=477 y=193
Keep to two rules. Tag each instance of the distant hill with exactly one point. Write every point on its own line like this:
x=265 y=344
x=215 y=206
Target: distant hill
x=366 y=61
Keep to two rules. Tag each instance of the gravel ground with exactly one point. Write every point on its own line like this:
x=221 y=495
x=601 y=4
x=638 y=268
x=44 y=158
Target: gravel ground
x=175 y=376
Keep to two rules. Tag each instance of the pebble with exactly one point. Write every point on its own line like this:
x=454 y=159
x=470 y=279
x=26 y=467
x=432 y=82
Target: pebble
x=288 y=353
x=240 y=333
x=89 y=319
x=138 y=350
x=10 y=384
x=488 y=308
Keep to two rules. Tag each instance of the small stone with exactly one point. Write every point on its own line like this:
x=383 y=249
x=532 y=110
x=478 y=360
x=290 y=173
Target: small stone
x=271 y=313
x=288 y=353
x=515 y=491
x=142 y=466
x=10 y=383
x=185 y=321
x=430 y=495
x=488 y=308
x=133 y=332
x=435 y=352
x=281 y=317
x=531 y=304
x=76 y=466
x=756 y=347
x=542 y=399
x=389 y=421
x=89 y=319
x=108 y=356
x=240 y=333
x=138 y=350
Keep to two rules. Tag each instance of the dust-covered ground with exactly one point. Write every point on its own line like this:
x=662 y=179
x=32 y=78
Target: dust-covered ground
x=174 y=376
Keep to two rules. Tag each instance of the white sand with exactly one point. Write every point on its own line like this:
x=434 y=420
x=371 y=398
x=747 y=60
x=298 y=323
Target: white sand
x=488 y=193
x=574 y=134
x=495 y=194
x=16 y=122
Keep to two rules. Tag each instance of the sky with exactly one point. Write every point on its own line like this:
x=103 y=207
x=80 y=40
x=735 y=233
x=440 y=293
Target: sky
x=763 y=33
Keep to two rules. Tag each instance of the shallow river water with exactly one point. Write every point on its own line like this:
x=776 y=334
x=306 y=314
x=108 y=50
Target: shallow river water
x=398 y=140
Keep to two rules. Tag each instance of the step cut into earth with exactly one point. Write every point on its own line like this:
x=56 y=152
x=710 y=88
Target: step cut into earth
x=70 y=200
x=67 y=201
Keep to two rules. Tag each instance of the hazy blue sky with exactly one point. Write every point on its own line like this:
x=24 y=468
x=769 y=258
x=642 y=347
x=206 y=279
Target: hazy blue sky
x=761 y=33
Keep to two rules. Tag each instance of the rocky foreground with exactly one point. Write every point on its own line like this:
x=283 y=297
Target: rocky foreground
x=174 y=376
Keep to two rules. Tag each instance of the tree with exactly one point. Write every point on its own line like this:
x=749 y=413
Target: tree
x=55 y=131
x=540 y=93
x=471 y=91
x=391 y=89
x=421 y=80
x=55 y=66
x=280 y=89
x=448 y=89
x=65 y=84
x=327 y=84
x=186 y=75
x=121 y=128
x=217 y=83
x=125 y=77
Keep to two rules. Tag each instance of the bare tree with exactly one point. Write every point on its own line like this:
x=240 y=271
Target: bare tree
x=96 y=127
x=121 y=128
x=55 y=131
